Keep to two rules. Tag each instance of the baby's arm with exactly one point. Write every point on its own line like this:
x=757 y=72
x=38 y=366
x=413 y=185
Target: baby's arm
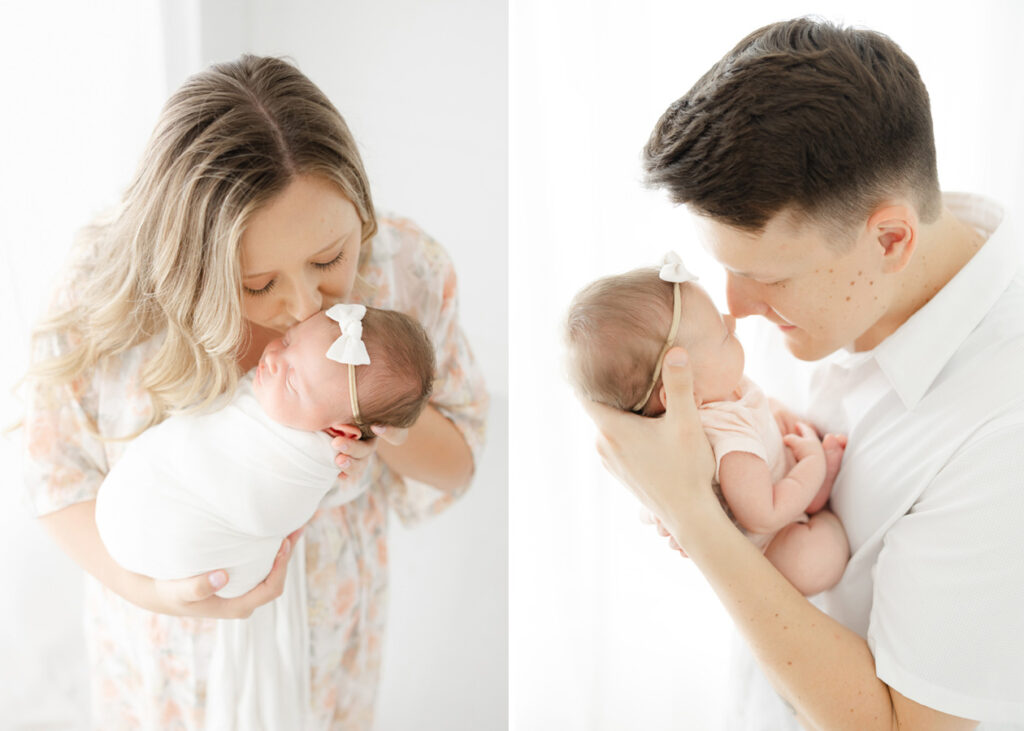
x=762 y=507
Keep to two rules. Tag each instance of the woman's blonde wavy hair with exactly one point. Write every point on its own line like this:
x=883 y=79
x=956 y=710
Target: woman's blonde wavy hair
x=167 y=260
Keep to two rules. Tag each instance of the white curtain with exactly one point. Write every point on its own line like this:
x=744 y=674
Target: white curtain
x=83 y=85
x=609 y=629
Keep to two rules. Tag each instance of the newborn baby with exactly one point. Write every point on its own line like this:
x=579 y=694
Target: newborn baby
x=619 y=329
x=222 y=490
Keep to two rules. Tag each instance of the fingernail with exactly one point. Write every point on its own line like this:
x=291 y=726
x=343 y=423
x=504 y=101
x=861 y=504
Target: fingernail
x=218 y=579
x=378 y=430
x=676 y=357
x=343 y=462
x=286 y=547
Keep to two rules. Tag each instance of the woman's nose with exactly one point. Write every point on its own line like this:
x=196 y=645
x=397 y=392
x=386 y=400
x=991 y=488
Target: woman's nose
x=741 y=297
x=305 y=303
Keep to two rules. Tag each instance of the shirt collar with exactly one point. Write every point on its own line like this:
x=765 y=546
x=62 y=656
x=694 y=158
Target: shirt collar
x=913 y=356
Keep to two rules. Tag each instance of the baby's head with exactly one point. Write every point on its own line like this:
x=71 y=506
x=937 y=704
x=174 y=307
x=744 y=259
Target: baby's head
x=618 y=326
x=297 y=385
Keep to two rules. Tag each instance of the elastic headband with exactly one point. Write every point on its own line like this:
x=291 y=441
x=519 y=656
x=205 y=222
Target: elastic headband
x=349 y=348
x=672 y=270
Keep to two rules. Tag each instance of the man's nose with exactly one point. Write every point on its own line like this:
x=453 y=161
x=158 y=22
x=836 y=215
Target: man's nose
x=741 y=296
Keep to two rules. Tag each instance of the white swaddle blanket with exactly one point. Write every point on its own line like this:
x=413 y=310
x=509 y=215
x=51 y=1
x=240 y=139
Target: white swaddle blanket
x=221 y=491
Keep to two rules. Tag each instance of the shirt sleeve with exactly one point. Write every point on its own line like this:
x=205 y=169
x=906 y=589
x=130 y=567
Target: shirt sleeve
x=947 y=621
x=459 y=391
x=729 y=428
x=64 y=459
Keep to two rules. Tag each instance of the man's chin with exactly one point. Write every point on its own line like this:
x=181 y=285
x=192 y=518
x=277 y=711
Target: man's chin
x=808 y=351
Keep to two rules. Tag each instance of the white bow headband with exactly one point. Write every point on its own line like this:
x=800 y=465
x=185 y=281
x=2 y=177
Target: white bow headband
x=349 y=347
x=672 y=270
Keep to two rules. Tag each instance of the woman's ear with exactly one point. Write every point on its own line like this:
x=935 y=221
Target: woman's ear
x=344 y=430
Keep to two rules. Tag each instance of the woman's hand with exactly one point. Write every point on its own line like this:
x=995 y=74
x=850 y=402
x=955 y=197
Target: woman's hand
x=354 y=454
x=196 y=596
x=666 y=462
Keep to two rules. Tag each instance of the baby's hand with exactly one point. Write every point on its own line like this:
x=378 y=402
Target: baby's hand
x=805 y=443
x=646 y=516
x=834 y=446
x=785 y=418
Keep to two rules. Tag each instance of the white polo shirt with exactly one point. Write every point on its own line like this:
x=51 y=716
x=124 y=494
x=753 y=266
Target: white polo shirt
x=931 y=491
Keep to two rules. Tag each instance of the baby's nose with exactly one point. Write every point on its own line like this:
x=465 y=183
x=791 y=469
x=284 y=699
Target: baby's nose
x=270 y=361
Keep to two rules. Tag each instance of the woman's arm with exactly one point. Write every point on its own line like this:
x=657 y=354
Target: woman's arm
x=434 y=451
x=823 y=669
x=74 y=530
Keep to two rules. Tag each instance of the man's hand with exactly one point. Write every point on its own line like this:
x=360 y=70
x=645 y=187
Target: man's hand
x=666 y=462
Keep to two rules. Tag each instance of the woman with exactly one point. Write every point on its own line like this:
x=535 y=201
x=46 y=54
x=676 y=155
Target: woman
x=249 y=212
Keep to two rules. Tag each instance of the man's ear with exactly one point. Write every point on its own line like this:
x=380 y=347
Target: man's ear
x=894 y=228
x=344 y=430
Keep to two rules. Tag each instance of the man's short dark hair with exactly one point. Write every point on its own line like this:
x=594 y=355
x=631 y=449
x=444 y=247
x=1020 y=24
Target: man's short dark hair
x=804 y=116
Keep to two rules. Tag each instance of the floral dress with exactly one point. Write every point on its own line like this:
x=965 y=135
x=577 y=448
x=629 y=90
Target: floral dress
x=149 y=670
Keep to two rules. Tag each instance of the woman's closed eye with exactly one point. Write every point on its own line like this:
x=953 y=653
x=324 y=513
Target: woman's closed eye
x=322 y=265
x=332 y=263
x=263 y=290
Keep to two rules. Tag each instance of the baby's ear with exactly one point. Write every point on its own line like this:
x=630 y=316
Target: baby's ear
x=344 y=430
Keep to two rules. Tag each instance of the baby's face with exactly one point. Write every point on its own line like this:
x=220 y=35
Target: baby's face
x=297 y=385
x=710 y=340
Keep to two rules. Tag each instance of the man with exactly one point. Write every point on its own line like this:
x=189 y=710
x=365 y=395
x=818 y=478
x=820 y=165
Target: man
x=807 y=155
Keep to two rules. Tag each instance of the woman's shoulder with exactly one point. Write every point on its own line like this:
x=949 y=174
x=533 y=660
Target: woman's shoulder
x=402 y=241
x=109 y=392
x=408 y=269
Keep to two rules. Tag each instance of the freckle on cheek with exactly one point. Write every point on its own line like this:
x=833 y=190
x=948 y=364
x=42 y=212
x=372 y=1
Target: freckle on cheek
x=847 y=299
x=829 y=271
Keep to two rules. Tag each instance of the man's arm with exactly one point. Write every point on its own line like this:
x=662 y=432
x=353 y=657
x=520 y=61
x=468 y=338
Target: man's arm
x=823 y=669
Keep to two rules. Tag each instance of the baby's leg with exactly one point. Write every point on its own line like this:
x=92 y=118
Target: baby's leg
x=813 y=555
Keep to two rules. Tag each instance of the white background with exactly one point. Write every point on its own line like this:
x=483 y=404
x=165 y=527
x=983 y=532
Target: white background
x=423 y=87
x=608 y=628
